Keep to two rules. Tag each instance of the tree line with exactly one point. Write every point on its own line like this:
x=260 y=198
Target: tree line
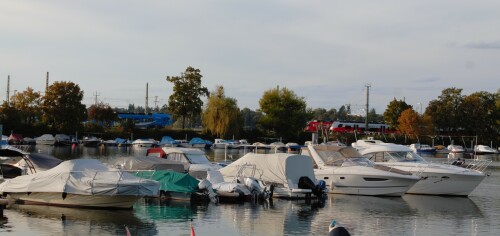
x=281 y=113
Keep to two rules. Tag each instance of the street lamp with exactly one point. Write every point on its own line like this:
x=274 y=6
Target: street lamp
x=420 y=107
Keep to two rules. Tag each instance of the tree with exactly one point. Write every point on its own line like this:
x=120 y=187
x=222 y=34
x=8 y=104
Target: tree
x=393 y=111
x=10 y=117
x=222 y=114
x=284 y=113
x=445 y=111
x=409 y=122
x=479 y=114
x=28 y=104
x=185 y=100
x=62 y=107
x=250 y=118
x=102 y=114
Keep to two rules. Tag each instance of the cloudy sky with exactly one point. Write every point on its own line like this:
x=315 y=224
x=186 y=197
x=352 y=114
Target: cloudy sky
x=325 y=51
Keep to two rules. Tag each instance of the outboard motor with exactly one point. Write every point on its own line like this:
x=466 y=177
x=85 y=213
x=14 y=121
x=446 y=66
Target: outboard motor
x=306 y=183
x=206 y=185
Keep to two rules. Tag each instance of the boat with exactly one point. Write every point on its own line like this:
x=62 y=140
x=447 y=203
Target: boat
x=167 y=141
x=286 y=175
x=455 y=148
x=46 y=139
x=441 y=149
x=15 y=139
x=84 y=183
x=90 y=141
x=15 y=162
x=422 y=148
x=199 y=143
x=239 y=189
x=195 y=161
x=436 y=178
x=63 y=140
x=144 y=142
x=484 y=150
x=346 y=171
x=225 y=144
x=142 y=163
x=180 y=186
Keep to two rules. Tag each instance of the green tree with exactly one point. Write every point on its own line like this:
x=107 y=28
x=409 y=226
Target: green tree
x=250 y=118
x=102 y=114
x=28 y=104
x=445 y=111
x=393 y=111
x=284 y=113
x=222 y=115
x=10 y=117
x=185 y=100
x=479 y=114
x=62 y=107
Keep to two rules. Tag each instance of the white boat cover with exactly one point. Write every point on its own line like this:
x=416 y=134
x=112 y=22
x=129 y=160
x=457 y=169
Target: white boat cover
x=275 y=168
x=84 y=177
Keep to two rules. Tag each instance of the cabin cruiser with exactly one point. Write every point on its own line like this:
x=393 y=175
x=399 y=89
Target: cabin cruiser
x=195 y=161
x=455 y=148
x=46 y=139
x=483 y=149
x=345 y=171
x=286 y=175
x=144 y=142
x=436 y=178
x=84 y=183
x=422 y=148
x=15 y=162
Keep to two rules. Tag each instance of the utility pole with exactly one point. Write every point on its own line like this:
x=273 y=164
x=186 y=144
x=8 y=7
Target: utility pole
x=47 y=82
x=96 y=94
x=8 y=88
x=146 y=107
x=156 y=101
x=367 y=106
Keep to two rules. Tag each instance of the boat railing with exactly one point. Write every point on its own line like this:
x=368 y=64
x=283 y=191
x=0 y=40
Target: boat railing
x=419 y=168
x=478 y=165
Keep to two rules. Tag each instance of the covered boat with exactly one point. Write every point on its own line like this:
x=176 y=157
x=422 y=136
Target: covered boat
x=178 y=186
x=80 y=183
x=290 y=175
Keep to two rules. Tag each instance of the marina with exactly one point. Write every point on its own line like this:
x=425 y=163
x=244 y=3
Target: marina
x=361 y=215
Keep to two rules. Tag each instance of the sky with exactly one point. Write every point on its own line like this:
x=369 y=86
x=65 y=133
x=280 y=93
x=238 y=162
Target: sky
x=327 y=52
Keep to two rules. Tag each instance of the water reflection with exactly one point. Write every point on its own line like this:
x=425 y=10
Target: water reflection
x=73 y=221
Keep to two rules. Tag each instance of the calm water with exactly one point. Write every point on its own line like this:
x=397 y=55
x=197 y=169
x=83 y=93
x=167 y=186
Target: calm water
x=409 y=215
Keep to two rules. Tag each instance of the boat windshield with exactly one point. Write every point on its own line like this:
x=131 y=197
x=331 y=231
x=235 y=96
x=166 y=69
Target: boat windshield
x=357 y=161
x=197 y=158
x=404 y=157
x=344 y=157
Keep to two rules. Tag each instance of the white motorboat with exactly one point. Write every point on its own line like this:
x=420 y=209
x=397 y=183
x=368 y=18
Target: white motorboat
x=90 y=141
x=455 y=148
x=244 y=189
x=46 y=139
x=195 y=161
x=144 y=142
x=345 y=171
x=484 y=150
x=286 y=175
x=225 y=144
x=436 y=178
x=422 y=148
x=80 y=183
x=15 y=162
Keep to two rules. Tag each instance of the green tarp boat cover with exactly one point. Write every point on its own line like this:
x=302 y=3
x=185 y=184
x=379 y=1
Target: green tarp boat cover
x=171 y=181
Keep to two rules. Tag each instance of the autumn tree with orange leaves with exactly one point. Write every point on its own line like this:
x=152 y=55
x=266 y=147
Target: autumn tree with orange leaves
x=409 y=122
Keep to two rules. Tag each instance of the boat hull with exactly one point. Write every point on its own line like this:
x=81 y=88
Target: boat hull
x=366 y=184
x=75 y=200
